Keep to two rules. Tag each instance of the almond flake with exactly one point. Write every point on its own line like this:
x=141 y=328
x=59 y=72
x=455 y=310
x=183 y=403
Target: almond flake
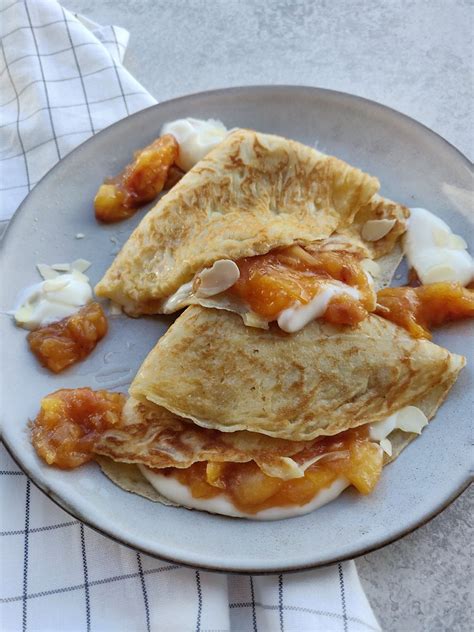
x=115 y=309
x=220 y=277
x=375 y=229
x=411 y=419
x=62 y=267
x=46 y=271
x=440 y=272
x=386 y=446
x=81 y=265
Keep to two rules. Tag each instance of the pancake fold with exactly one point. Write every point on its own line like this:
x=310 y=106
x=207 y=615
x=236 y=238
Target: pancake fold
x=322 y=380
x=268 y=397
x=253 y=193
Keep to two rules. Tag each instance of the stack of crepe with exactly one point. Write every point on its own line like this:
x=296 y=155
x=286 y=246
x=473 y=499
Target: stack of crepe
x=229 y=413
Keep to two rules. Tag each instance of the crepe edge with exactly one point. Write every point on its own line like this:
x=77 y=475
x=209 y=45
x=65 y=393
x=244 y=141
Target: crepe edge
x=429 y=404
x=129 y=478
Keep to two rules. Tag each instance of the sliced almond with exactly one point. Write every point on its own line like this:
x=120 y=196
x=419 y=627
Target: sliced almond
x=23 y=314
x=375 y=229
x=62 y=267
x=79 y=276
x=382 y=308
x=46 y=271
x=179 y=299
x=81 y=265
x=301 y=253
x=220 y=277
x=254 y=320
x=411 y=419
x=386 y=446
x=327 y=456
x=441 y=272
x=282 y=467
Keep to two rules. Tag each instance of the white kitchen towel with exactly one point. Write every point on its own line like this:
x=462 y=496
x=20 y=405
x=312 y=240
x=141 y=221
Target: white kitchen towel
x=62 y=80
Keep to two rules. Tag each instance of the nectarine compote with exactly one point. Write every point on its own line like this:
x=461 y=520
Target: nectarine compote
x=140 y=182
x=290 y=277
x=350 y=455
x=70 y=340
x=69 y=423
x=418 y=309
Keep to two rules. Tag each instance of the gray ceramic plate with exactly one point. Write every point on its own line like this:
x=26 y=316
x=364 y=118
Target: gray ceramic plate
x=415 y=167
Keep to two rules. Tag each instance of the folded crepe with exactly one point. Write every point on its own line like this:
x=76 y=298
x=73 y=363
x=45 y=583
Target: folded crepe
x=247 y=422
x=322 y=380
x=253 y=194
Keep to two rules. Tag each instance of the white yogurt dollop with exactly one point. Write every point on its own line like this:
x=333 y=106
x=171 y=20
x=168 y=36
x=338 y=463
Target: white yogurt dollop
x=172 y=489
x=409 y=419
x=195 y=137
x=52 y=300
x=436 y=253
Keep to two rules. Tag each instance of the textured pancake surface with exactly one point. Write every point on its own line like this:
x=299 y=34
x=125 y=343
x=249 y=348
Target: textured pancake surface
x=154 y=437
x=252 y=193
x=322 y=380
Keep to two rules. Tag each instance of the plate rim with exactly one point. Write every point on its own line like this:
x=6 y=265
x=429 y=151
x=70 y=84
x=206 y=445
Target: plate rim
x=238 y=571
x=414 y=525
x=257 y=88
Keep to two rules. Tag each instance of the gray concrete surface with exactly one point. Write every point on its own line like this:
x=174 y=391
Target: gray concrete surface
x=413 y=56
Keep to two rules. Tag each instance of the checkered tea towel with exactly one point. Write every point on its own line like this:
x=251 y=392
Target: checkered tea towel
x=62 y=80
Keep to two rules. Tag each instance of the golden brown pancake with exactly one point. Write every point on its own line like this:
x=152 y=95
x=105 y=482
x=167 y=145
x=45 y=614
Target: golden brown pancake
x=154 y=437
x=251 y=194
x=322 y=380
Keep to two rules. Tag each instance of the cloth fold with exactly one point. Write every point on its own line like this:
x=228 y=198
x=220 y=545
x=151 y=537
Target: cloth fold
x=61 y=81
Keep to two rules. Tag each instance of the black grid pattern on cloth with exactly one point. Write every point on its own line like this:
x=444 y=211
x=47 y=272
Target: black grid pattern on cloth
x=46 y=92
x=15 y=109
x=96 y=582
x=20 y=139
x=51 y=81
x=26 y=553
x=144 y=591
x=29 y=532
x=319 y=613
x=79 y=71
x=40 y=56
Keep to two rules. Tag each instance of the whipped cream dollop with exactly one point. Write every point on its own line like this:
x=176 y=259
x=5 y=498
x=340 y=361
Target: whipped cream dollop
x=434 y=251
x=195 y=137
x=52 y=300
